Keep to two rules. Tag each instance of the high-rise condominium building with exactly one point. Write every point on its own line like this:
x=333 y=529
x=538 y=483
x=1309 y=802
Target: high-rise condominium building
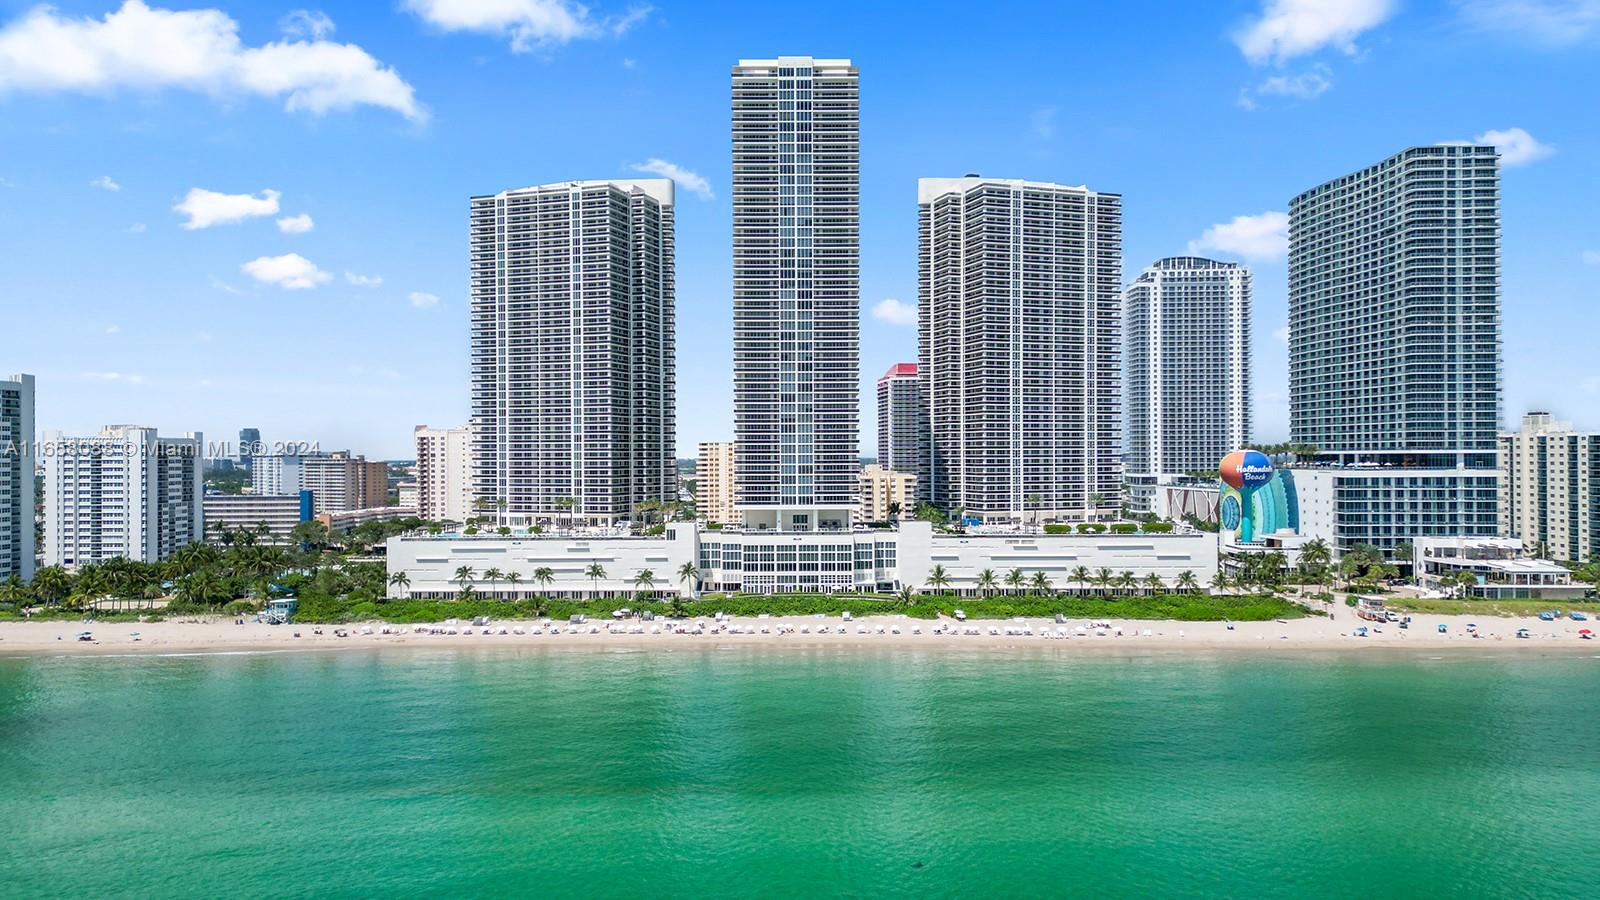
x=902 y=420
x=444 y=474
x=572 y=350
x=715 y=484
x=249 y=445
x=338 y=481
x=1186 y=365
x=126 y=492
x=1550 y=488
x=1021 y=296
x=1394 y=344
x=16 y=477
x=886 y=494
x=796 y=291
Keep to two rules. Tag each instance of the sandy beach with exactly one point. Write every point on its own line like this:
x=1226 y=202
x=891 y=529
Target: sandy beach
x=1316 y=633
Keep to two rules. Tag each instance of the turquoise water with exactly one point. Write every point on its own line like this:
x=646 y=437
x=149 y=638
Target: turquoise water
x=788 y=772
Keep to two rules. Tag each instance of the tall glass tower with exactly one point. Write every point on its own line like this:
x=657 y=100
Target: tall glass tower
x=796 y=291
x=1394 y=344
x=573 y=362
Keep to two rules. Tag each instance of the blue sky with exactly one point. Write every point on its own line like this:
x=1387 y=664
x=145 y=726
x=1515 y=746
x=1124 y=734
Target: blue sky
x=160 y=164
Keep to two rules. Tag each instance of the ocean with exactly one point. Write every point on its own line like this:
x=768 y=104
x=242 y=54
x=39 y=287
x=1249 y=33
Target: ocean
x=780 y=771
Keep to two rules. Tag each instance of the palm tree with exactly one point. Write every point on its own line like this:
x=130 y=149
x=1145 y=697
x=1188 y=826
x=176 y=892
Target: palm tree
x=544 y=575
x=938 y=578
x=908 y=595
x=1094 y=505
x=512 y=578
x=1015 y=579
x=1033 y=501
x=567 y=504
x=1154 y=584
x=689 y=572
x=1219 y=581
x=1041 y=583
x=400 y=580
x=595 y=572
x=464 y=576
x=1187 y=582
x=1126 y=581
x=1081 y=576
x=14 y=592
x=645 y=581
x=51 y=585
x=1104 y=578
x=986 y=582
x=1315 y=559
x=493 y=576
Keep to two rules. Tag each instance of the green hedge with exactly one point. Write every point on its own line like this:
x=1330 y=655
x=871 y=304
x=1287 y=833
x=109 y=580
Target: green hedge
x=1181 y=607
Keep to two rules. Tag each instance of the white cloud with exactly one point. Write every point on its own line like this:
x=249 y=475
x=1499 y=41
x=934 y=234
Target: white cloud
x=1517 y=147
x=1557 y=22
x=295 y=224
x=7 y=183
x=199 y=50
x=691 y=181
x=1291 y=28
x=105 y=183
x=120 y=377
x=895 y=312
x=136 y=228
x=291 y=271
x=113 y=329
x=423 y=300
x=221 y=285
x=207 y=208
x=1305 y=86
x=1281 y=335
x=1591 y=384
x=363 y=280
x=1592 y=257
x=529 y=23
x=311 y=23
x=1259 y=238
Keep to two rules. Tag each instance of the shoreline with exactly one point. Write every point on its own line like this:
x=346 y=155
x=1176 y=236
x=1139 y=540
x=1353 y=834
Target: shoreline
x=222 y=636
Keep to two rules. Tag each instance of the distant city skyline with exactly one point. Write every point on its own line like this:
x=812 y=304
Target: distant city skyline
x=288 y=255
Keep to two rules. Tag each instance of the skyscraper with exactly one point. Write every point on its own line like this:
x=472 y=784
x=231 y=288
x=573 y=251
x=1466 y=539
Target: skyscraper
x=1550 y=488
x=714 y=482
x=902 y=420
x=16 y=477
x=126 y=492
x=444 y=474
x=1020 y=301
x=572 y=350
x=1394 y=344
x=1186 y=364
x=796 y=291
x=249 y=445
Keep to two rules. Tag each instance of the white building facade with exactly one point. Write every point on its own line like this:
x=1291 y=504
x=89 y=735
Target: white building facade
x=861 y=559
x=126 y=492
x=1394 y=346
x=1020 y=302
x=1550 y=488
x=444 y=474
x=1186 y=365
x=796 y=291
x=17 y=550
x=573 y=360
x=225 y=513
